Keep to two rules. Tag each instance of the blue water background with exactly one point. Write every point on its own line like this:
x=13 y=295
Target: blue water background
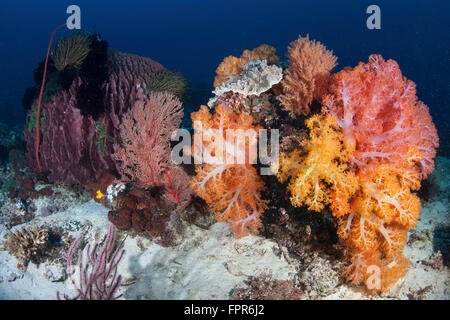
x=193 y=37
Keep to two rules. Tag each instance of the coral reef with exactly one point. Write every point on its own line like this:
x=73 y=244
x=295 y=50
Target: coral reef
x=306 y=78
x=372 y=122
x=232 y=190
x=355 y=146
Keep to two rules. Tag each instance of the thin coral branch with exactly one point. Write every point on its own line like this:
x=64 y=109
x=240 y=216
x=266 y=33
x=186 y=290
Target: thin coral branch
x=98 y=277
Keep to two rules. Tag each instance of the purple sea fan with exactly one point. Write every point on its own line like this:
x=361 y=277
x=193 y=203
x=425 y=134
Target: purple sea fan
x=95 y=275
x=68 y=151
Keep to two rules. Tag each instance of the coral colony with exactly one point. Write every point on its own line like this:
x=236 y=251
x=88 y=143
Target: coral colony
x=354 y=144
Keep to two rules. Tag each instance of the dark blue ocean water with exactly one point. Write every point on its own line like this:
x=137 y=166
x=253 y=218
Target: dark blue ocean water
x=193 y=37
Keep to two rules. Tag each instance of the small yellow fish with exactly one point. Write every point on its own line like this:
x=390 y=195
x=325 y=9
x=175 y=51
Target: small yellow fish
x=99 y=194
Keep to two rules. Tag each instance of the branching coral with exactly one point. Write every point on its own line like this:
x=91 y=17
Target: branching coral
x=27 y=244
x=232 y=66
x=232 y=190
x=306 y=78
x=71 y=51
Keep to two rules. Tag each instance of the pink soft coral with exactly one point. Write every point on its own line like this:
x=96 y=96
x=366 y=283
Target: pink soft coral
x=381 y=117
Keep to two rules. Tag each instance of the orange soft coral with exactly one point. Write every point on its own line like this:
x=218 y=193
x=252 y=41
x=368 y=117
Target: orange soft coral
x=306 y=79
x=232 y=190
x=263 y=52
x=376 y=273
x=232 y=66
x=321 y=175
x=382 y=211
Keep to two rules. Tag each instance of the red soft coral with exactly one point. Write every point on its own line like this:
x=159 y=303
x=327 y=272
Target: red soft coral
x=381 y=117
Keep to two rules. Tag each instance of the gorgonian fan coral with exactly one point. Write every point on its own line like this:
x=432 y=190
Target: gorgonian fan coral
x=144 y=152
x=232 y=190
x=68 y=151
x=306 y=78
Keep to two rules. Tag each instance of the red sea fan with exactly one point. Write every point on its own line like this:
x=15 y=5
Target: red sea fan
x=306 y=78
x=144 y=151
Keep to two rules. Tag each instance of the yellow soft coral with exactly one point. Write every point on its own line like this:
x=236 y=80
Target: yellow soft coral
x=232 y=190
x=320 y=174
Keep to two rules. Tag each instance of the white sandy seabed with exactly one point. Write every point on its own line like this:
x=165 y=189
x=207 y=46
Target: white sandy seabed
x=210 y=264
